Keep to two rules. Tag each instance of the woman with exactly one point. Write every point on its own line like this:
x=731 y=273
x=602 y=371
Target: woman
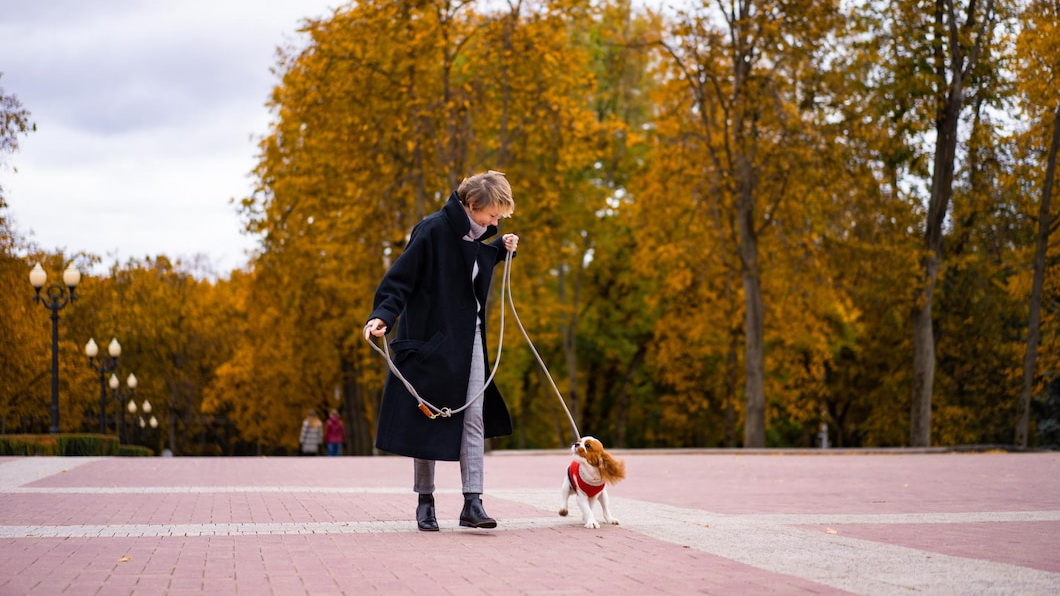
x=312 y=434
x=436 y=291
x=334 y=433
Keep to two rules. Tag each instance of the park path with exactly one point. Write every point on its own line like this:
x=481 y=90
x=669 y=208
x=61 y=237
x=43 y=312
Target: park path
x=791 y=522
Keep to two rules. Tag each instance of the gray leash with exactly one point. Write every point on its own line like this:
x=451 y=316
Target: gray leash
x=432 y=411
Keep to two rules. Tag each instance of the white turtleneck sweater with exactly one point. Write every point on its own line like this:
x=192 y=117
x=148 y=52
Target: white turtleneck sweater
x=474 y=234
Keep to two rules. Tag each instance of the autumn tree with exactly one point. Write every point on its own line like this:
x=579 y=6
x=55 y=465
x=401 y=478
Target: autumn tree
x=739 y=145
x=14 y=121
x=24 y=366
x=1039 y=69
x=383 y=111
x=15 y=373
x=939 y=56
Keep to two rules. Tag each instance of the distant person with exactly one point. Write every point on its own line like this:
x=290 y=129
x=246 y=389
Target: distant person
x=334 y=433
x=436 y=292
x=312 y=434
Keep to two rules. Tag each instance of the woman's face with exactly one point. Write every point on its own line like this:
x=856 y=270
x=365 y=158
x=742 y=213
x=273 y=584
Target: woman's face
x=489 y=216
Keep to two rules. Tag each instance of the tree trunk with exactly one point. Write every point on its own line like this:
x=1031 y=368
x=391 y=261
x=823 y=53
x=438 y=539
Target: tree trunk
x=567 y=339
x=923 y=326
x=358 y=430
x=923 y=360
x=625 y=398
x=744 y=144
x=754 y=432
x=1030 y=357
x=732 y=385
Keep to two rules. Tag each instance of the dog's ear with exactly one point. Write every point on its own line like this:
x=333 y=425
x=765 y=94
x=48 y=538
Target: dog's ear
x=611 y=470
x=591 y=451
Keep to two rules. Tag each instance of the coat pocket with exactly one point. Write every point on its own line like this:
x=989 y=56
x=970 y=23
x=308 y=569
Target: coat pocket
x=404 y=349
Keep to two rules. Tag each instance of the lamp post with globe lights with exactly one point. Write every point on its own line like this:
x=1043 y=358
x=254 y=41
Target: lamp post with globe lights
x=146 y=409
x=122 y=397
x=56 y=296
x=103 y=365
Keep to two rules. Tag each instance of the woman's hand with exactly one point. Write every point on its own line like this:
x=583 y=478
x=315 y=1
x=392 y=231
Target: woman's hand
x=374 y=327
x=511 y=242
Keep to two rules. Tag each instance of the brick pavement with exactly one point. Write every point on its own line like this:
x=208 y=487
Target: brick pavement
x=692 y=523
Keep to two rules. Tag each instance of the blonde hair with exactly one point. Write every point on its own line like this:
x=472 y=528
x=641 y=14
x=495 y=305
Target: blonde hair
x=488 y=190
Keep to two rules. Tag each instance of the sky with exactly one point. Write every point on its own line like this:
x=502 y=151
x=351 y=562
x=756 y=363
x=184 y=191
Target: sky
x=148 y=114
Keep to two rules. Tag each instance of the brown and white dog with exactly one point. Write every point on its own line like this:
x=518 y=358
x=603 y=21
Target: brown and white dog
x=587 y=477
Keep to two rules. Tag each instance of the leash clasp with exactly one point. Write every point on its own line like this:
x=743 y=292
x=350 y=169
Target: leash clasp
x=444 y=412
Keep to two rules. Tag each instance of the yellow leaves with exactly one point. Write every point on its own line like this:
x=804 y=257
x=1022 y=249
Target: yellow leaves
x=1038 y=48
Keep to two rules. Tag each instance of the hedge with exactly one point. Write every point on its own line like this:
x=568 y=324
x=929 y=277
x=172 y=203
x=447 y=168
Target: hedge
x=68 y=444
x=134 y=451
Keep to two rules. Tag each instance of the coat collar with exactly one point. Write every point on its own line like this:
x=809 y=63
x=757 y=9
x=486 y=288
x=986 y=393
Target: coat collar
x=458 y=219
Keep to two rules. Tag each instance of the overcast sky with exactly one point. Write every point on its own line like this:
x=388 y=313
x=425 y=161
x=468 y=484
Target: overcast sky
x=147 y=113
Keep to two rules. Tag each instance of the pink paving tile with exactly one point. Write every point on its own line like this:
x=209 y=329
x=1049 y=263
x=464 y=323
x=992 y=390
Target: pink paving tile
x=230 y=507
x=954 y=482
x=1027 y=544
x=563 y=559
x=370 y=472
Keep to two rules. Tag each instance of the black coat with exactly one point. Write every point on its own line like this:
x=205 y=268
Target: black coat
x=428 y=291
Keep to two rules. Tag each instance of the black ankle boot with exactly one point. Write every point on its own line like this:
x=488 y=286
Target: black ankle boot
x=425 y=519
x=473 y=515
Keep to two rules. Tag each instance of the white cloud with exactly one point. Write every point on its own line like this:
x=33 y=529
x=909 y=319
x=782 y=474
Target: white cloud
x=147 y=115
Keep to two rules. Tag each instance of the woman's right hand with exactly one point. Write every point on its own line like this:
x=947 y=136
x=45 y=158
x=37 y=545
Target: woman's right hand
x=374 y=327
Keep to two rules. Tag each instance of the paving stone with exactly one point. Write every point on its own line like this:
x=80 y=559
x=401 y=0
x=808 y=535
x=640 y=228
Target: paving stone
x=703 y=522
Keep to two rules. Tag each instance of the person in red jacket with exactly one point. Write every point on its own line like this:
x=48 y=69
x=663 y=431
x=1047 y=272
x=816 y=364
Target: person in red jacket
x=334 y=434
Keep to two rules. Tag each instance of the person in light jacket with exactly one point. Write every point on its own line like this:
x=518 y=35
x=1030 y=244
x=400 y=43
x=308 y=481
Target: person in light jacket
x=312 y=434
x=436 y=292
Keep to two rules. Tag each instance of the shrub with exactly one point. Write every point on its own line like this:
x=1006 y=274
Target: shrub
x=87 y=444
x=62 y=444
x=28 y=445
x=134 y=451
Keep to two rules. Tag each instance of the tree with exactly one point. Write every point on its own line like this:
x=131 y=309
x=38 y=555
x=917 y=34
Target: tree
x=388 y=105
x=949 y=47
x=742 y=67
x=14 y=121
x=1039 y=45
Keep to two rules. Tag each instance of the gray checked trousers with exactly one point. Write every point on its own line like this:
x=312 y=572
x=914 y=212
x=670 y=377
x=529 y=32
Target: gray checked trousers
x=472 y=445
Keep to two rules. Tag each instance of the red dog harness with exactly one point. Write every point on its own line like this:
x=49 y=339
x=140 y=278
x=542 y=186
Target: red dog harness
x=576 y=480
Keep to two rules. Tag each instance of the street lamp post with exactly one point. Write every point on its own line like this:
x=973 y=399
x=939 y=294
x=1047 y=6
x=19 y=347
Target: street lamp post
x=57 y=296
x=122 y=397
x=146 y=409
x=103 y=366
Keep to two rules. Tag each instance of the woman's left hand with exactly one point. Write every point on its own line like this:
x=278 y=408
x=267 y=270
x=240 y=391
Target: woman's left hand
x=511 y=242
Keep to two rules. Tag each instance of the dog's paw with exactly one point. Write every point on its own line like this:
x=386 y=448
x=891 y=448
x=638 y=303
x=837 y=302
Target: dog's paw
x=612 y=521
x=563 y=512
x=592 y=524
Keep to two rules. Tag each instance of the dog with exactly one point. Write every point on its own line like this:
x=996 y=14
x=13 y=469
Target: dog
x=590 y=471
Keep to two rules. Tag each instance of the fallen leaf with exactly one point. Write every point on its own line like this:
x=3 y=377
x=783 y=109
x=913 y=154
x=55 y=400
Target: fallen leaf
x=831 y=531
x=124 y=560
